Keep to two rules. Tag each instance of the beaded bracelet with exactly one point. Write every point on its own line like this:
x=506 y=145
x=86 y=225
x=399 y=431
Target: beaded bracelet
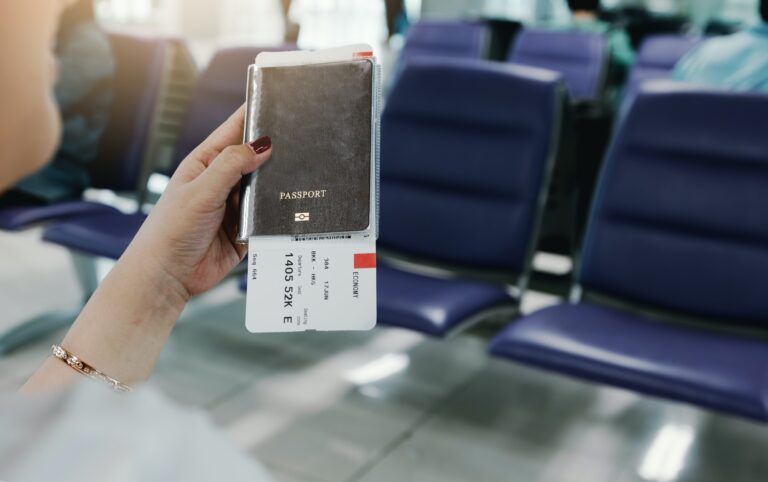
x=85 y=369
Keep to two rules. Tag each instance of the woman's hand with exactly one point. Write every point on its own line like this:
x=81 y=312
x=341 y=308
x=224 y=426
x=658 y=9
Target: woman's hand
x=190 y=234
x=186 y=246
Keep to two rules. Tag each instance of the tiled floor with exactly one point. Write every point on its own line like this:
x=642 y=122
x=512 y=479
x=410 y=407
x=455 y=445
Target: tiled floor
x=390 y=405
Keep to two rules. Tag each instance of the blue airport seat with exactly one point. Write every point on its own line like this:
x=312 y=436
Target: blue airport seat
x=445 y=39
x=137 y=84
x=218 y=93
x=658 y=56
x=20 y=217
x=432 y=305
x=105 y=235
x=467 y=147
x=139 y=63
x=581 y=58
x=675 y=260
x=637 y=352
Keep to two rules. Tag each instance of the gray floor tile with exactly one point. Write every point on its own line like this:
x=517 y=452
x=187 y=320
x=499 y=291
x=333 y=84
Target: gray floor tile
x=281 y=474
x=21 y=363
x=8 y=384
x=448 y=456
x=336 y=424
x=707 y=448
x=194 y=384
x=35 y=278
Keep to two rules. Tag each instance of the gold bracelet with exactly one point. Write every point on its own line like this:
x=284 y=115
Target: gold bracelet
x=85 y=369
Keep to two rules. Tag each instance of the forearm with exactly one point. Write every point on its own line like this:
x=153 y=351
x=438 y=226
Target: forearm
x=123 y=328
x=184 y=248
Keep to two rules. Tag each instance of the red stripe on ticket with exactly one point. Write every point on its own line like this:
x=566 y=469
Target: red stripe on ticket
x=365 y=260
x=362 y=55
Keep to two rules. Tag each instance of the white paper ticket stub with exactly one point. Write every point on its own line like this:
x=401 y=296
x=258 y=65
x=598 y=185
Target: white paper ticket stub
x=311 y=284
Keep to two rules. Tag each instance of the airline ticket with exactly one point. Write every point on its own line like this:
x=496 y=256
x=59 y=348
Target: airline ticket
x=323 y=283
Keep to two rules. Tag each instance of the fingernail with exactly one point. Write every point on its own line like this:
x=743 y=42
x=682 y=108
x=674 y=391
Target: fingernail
x=262 y=144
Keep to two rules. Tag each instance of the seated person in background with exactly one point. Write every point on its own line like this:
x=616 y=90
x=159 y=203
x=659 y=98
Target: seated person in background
x=584 y=16
x=736 y=62
x=83 y=93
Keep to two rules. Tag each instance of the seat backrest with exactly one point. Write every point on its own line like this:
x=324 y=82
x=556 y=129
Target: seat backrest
x=658 y=56
x=679 y=222
x=465 y=148
x=138 y=76
x=219 y=92
x=581 y=58
x=445 y=39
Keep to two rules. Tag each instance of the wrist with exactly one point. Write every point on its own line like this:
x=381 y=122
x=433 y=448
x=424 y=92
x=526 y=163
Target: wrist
x=127 y=321
x=159 y=287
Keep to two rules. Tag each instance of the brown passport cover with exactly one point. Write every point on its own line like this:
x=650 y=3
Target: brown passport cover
x=318 y=179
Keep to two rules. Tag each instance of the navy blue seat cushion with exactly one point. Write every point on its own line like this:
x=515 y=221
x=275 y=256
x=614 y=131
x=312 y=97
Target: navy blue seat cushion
x=138 y=77
x=430 y=305
x=20 y=217
x=106 y=235
x=720 y=371
x=449 y=39
x=658 y=56
x=465 y=149
x=680 y=219
x=581 y=57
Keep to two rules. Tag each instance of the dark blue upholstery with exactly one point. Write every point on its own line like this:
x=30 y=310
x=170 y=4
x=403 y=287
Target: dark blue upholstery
x=719 y=371
x=445 y=39
x=658 y=56
x=103 y=235
x=581 y=58
x=678 y=227
x=14 y=218
x=465 y=148
x=138 y=72
x=430 y=305
x=219 y=92
x=680 y=219
x=138 y=76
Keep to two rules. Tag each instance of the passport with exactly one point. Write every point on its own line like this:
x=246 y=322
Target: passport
x=319 y=179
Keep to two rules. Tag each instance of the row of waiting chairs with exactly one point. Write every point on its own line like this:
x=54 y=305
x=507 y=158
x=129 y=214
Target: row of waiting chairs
x=674 y=259
x=669 y=296
x=580 y=56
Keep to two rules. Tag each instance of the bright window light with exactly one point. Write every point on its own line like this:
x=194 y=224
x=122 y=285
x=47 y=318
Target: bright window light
x=378 y=369
x=666 y=456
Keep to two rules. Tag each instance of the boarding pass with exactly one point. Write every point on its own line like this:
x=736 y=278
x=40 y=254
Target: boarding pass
x=324 y=283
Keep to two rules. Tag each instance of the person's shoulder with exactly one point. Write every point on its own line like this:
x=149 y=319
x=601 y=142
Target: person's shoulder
x=88 y=36
x=88 y=46
x=713 y=53
x=726 y=45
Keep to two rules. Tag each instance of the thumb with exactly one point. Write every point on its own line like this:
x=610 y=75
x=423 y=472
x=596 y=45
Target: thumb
x=226 y=169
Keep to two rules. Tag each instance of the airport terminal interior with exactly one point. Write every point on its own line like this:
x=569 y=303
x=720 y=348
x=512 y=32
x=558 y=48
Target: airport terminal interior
x=572 y=234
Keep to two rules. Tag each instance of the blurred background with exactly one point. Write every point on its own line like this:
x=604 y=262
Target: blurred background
x=534 y=324
x=208 y=25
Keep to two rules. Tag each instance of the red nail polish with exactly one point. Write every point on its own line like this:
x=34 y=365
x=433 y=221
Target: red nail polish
x=262 y=144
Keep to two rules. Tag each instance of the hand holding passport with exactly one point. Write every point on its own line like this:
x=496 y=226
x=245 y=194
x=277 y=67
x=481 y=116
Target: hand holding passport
x=310 y=214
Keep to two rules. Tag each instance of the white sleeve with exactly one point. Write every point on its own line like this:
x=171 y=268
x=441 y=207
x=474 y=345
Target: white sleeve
x=89 y=433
